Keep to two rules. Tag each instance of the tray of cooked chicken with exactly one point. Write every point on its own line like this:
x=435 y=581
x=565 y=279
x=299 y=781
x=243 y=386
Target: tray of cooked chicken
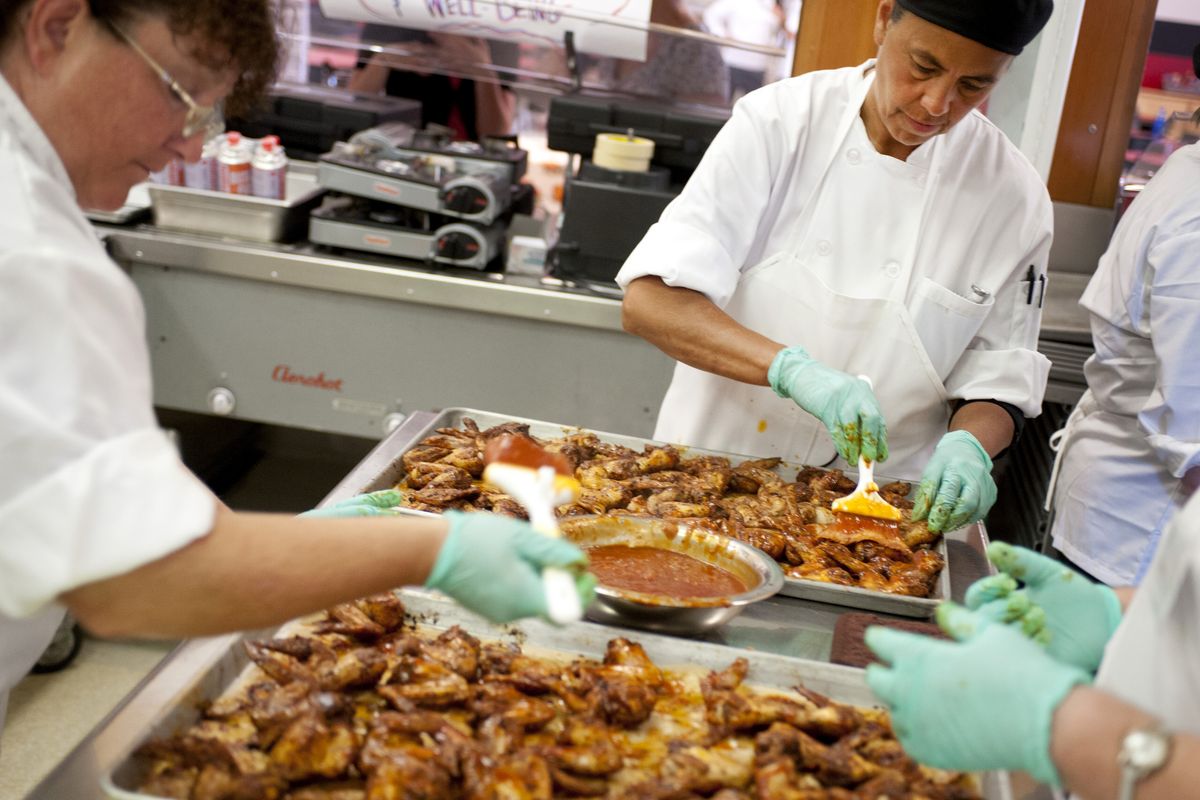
x=407 y=695
x=783 y=509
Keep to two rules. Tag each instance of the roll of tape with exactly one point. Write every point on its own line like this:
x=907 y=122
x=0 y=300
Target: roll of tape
x=623 y=152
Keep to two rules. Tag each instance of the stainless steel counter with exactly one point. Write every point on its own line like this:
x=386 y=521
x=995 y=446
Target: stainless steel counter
x=291 y=335
x=780 y=625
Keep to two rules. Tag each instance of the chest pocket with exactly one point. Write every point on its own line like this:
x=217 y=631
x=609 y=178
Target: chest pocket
x=946 y=323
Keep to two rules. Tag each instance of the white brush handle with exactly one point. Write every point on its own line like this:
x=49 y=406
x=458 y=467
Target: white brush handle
x=562 y=601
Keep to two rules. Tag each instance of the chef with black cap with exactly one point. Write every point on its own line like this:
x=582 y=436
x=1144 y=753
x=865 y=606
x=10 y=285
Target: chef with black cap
x=862 y=221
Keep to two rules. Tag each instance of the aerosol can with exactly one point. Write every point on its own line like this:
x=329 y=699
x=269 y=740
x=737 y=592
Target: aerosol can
x=170 y=175
x=233 y=164
x=268 y=173
x=202 y=173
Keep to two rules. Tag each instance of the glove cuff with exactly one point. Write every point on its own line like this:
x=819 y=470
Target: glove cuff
x=783 y=366
x=446 y=555
x=1038 y=761
x=966 y=437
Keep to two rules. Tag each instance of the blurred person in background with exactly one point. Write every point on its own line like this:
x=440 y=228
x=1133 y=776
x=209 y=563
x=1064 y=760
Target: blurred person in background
x=758 y=22
x=473 y=107
x=97 y=511
x=677 y=67
x=1130 y=451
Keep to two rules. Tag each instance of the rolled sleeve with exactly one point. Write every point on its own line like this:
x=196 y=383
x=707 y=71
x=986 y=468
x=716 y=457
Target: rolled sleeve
x=1171 y=415
x=706 y=233
x=683 y=256
x=127 y=502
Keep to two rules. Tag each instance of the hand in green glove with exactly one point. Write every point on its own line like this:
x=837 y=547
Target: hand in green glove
x=1078 y=616
x=985 y=702
x=845 y=404
x=374 y=504
x=957 y=487
x=996 y=598
x=493 y=566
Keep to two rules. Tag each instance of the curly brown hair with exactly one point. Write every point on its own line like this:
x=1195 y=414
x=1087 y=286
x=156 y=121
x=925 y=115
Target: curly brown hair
x=240 y=32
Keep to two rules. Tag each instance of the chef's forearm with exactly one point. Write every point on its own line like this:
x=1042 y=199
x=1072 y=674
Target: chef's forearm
x=987 y=422
x=255 y=570
x=1086 y=735
x=687 y=326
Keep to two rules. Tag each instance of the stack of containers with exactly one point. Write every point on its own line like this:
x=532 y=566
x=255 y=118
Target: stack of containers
x=232 y=163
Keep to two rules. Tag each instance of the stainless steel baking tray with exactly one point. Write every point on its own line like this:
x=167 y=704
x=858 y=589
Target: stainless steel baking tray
x=767 y=671
x=258 y=219
x=792 y=587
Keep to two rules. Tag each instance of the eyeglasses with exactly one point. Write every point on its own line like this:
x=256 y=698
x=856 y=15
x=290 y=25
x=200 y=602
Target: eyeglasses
x=199 y=118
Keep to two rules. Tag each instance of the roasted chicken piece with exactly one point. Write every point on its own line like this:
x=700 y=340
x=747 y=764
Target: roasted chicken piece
x=773 y=543
x=916 y=578
x=520 y=776
x=456 y=649
x=311 y=747
x=586 y=747
x=836 y=765
x=424 y=682
x=437 y=473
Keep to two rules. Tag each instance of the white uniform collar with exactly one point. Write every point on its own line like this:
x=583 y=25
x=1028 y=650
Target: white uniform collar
x=16 y=121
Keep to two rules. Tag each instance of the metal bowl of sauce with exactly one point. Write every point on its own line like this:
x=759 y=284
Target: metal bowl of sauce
x=668 y=576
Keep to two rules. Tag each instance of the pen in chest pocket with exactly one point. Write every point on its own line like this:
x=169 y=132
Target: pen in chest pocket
x=1029 y=277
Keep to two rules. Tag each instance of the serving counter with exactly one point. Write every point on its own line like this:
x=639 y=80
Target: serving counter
x=782 y=626
x=297 y=336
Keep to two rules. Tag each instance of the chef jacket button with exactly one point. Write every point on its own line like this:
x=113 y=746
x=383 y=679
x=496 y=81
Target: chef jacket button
x=853 y=156
x=824 y=247
x=892 y=269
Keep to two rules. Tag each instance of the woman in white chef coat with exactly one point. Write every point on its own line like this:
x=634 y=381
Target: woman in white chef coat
x=97 y=513
x=861 y=221
x=994 y=699
x=1131 y=449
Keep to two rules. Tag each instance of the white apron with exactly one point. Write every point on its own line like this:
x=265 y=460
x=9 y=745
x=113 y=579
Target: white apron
x=785 y=299
x=1109 y=495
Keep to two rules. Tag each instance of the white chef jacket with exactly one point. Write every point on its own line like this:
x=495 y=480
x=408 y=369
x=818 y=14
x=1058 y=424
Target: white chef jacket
x=1136 y=431
x=1153 y=659
x=949 y=235
x=89 y=486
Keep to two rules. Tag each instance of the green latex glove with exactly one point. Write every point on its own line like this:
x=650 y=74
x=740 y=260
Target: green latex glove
x=1078 y=616
x=374 y=504
x=986 y=701
x=997 y=598
x=845 y=404
x=493 y=565
x=956 y=488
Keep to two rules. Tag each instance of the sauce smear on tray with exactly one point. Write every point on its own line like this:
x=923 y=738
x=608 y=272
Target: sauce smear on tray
x=655 y=571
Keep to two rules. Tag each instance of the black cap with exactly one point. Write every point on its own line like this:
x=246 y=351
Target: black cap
x=1004 y=25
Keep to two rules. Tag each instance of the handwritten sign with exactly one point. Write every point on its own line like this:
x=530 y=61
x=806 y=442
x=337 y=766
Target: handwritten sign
x=602 y=27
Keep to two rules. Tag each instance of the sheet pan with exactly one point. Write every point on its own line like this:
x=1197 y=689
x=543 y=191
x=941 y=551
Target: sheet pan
x=767 y=671
x=818 y=591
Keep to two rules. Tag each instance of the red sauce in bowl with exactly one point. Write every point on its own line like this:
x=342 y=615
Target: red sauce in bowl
x=651 y=570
